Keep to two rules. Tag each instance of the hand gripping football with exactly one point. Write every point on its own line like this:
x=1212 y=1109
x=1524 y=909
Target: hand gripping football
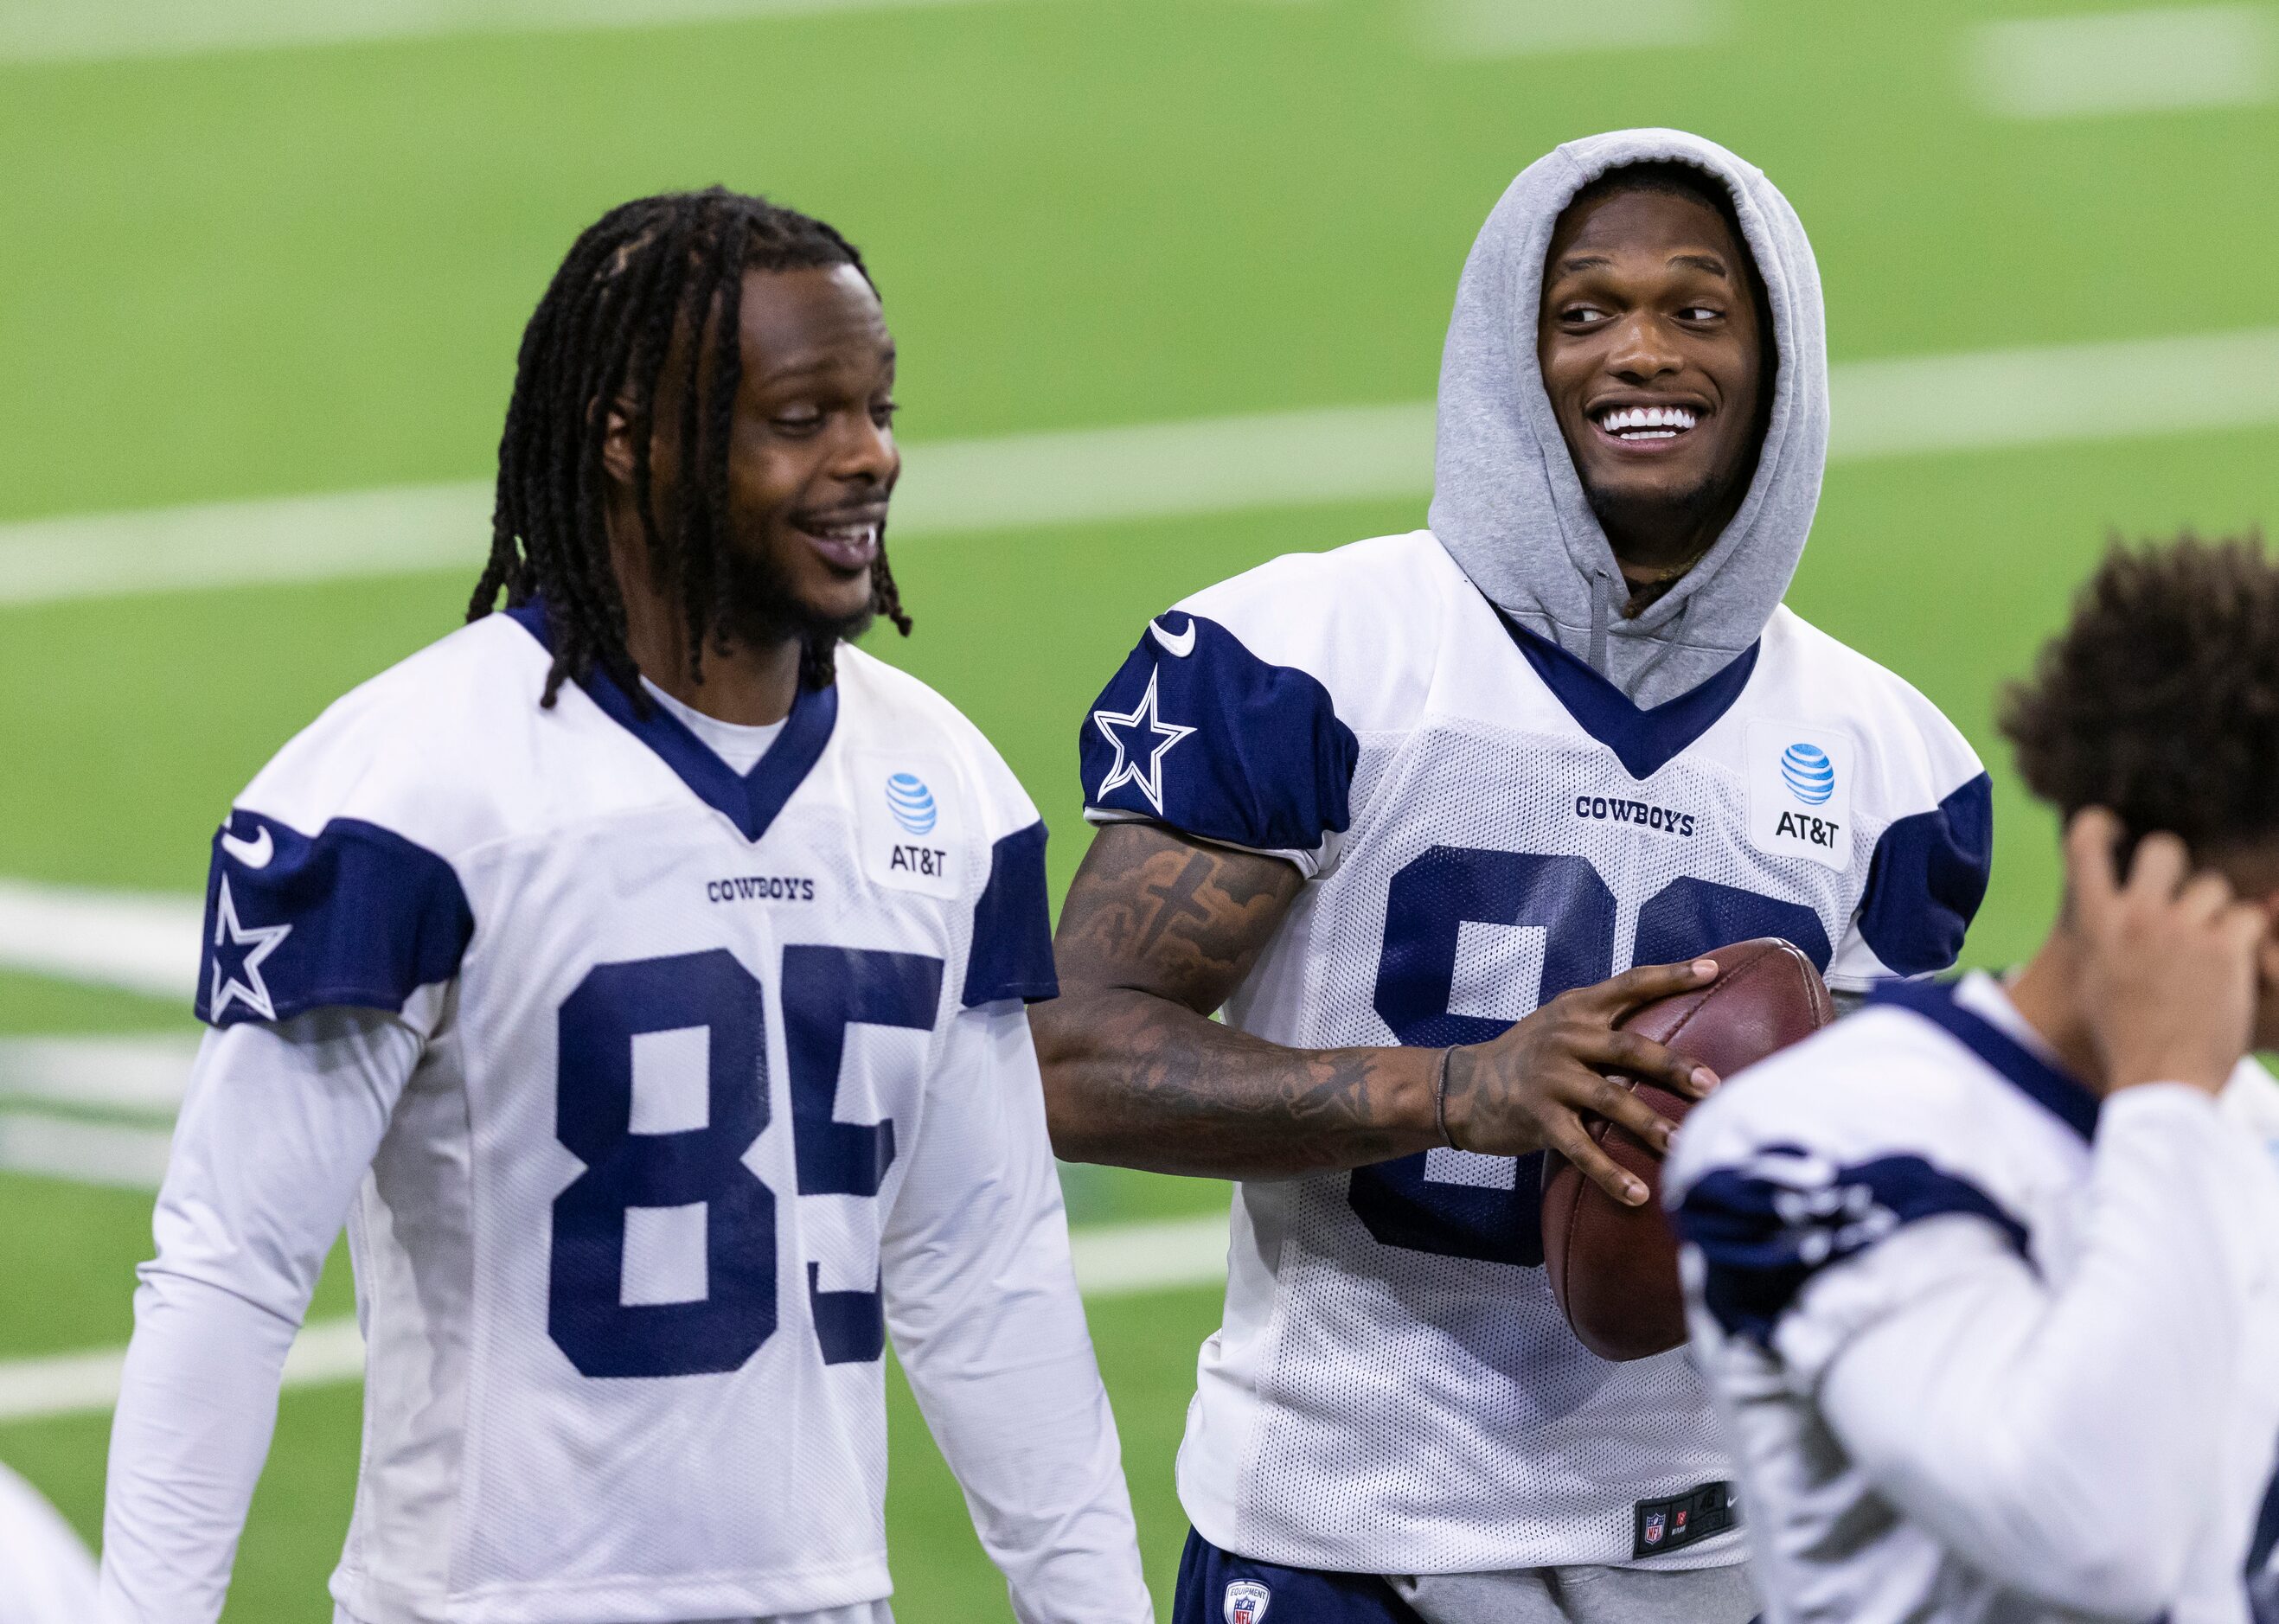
x=1614 y=1269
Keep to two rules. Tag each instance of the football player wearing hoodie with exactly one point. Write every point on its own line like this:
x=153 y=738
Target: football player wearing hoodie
x=1422 y=817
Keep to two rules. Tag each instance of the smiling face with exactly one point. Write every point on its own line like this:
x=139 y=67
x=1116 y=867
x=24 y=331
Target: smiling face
x=811 y=456
x=1650 y=344
x=811 y=463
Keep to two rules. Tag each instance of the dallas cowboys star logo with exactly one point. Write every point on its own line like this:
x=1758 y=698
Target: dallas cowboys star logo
x=238 y=951
x=1139 y=759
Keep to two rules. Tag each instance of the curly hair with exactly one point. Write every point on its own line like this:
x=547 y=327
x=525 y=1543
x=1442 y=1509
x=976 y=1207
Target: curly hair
x=647 y=269
x=2160 y=698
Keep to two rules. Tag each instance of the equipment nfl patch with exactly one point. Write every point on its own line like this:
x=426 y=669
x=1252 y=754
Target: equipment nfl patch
x=1246 y=1601
x=1684 y=1519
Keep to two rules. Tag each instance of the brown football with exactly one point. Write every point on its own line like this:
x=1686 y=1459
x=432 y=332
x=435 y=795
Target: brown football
x=1614 y=1269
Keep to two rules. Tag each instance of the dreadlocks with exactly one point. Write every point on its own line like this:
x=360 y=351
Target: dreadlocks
x=647 y=271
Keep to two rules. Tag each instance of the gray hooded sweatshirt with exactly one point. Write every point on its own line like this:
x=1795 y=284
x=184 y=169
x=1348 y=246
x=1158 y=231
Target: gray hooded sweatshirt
x=1506 y=498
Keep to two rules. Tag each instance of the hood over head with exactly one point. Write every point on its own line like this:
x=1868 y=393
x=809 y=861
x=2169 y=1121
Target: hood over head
x=1507 y=503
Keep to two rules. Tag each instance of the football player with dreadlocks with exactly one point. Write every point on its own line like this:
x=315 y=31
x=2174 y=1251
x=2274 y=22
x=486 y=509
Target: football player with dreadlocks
x=638 y=973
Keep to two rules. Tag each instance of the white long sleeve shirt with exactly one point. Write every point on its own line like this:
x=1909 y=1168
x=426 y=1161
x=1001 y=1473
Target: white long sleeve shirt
x=1990 y=1349
x=654 y=1096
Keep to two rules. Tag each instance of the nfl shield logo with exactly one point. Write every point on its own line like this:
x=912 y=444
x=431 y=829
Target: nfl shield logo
x=1656 y=1522
x=1245 y=1601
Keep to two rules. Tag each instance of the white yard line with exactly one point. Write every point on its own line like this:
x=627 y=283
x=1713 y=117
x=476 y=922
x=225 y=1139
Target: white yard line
x=35 y=31
x=143 y=942
x=2124 y=62
x=1111 y=1261
x=1991 y=400
x=135 y=1075
x=85 y=1153
x=1497 y=29
x=118 y=1095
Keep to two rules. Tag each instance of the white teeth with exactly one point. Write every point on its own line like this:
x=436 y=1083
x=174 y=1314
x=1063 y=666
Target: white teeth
x=1648 y=422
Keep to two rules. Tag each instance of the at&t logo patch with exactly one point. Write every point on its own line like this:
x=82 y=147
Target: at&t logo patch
x=1811 y=776
x=1800 y=791
x=912 y=803
x=1246 y=1601
x=908 y=812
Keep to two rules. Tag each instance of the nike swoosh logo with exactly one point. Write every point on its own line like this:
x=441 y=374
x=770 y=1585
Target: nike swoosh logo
x=1181 y=643
x=252 y=854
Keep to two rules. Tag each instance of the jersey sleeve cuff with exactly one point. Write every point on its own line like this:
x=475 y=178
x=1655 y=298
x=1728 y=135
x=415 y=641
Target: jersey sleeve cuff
x=1308 y=862
x=1011 y=956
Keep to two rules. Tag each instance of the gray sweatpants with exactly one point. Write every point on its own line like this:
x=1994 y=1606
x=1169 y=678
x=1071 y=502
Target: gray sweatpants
x=1583 y=1596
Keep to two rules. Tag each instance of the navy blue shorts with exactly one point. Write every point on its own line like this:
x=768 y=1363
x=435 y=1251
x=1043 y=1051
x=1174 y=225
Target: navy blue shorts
x=1216 y=1587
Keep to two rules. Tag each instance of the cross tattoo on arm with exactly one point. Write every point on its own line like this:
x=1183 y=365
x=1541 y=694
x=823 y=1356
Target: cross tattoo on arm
x=1179 y=898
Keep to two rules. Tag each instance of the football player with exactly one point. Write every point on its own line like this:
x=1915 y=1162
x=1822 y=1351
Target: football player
x=1424 y=815
x=640 y=972
x=1983 y=1277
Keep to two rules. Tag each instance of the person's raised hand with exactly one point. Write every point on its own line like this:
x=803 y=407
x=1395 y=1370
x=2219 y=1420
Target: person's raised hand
x=1529 y=1089
x=2168 y=983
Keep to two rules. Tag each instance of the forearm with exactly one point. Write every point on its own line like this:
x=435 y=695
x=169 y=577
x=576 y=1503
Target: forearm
x=276 y=1129
x=197 y=1403
x=981 y=1299
x=1136 y=1080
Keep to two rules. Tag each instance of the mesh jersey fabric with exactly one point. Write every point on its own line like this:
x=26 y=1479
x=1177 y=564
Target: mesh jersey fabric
x=1394 y=1388
x=620 y=1258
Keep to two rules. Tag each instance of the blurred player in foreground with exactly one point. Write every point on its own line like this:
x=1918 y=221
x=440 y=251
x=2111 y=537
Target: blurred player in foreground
x=640 y=972
x=1985 y=1278
x=1435 y=790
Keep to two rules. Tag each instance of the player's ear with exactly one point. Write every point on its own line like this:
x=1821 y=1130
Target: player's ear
x=2267 y=957
x=618 y=445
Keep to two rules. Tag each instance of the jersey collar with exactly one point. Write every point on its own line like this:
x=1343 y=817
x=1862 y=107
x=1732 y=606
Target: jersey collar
x=749 y=801
x=2057 y=1091
x=1644 y=741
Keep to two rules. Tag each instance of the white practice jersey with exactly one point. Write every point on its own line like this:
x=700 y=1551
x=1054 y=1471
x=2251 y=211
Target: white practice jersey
x=1485 y=821
x=1991 y=1351
x=711 y=1080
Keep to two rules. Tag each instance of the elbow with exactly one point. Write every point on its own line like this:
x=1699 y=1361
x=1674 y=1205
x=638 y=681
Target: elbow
x=1057 y=1029
x=2085 y=1546
x=2129 y=1583
x=1070 y=1126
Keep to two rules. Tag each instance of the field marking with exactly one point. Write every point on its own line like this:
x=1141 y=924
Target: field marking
x=1111 y=1261
x=1498 y=29
x=1987 y=401
x=2124 y=62
x=957 y=487
x=93 y=1110
x=139 y=1075
x=110 y=1154
x=142 y=942
x=54 y=31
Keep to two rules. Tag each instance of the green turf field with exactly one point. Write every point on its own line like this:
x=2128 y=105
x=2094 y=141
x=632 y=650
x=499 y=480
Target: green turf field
x=304 y=270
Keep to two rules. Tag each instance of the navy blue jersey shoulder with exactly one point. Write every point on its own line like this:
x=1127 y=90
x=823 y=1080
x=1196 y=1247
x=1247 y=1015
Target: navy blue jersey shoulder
x=1198 y=732
x=355 y=916
x=2063 y=1096
x=1012 y=951
x=1766 y=1228
x=1927 y=879
x=1644 y=741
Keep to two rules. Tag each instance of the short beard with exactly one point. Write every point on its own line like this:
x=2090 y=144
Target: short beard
x=1693 y=511
x=758 y=607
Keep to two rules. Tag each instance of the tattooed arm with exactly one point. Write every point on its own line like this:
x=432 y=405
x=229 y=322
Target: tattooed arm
x=1159 y=929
